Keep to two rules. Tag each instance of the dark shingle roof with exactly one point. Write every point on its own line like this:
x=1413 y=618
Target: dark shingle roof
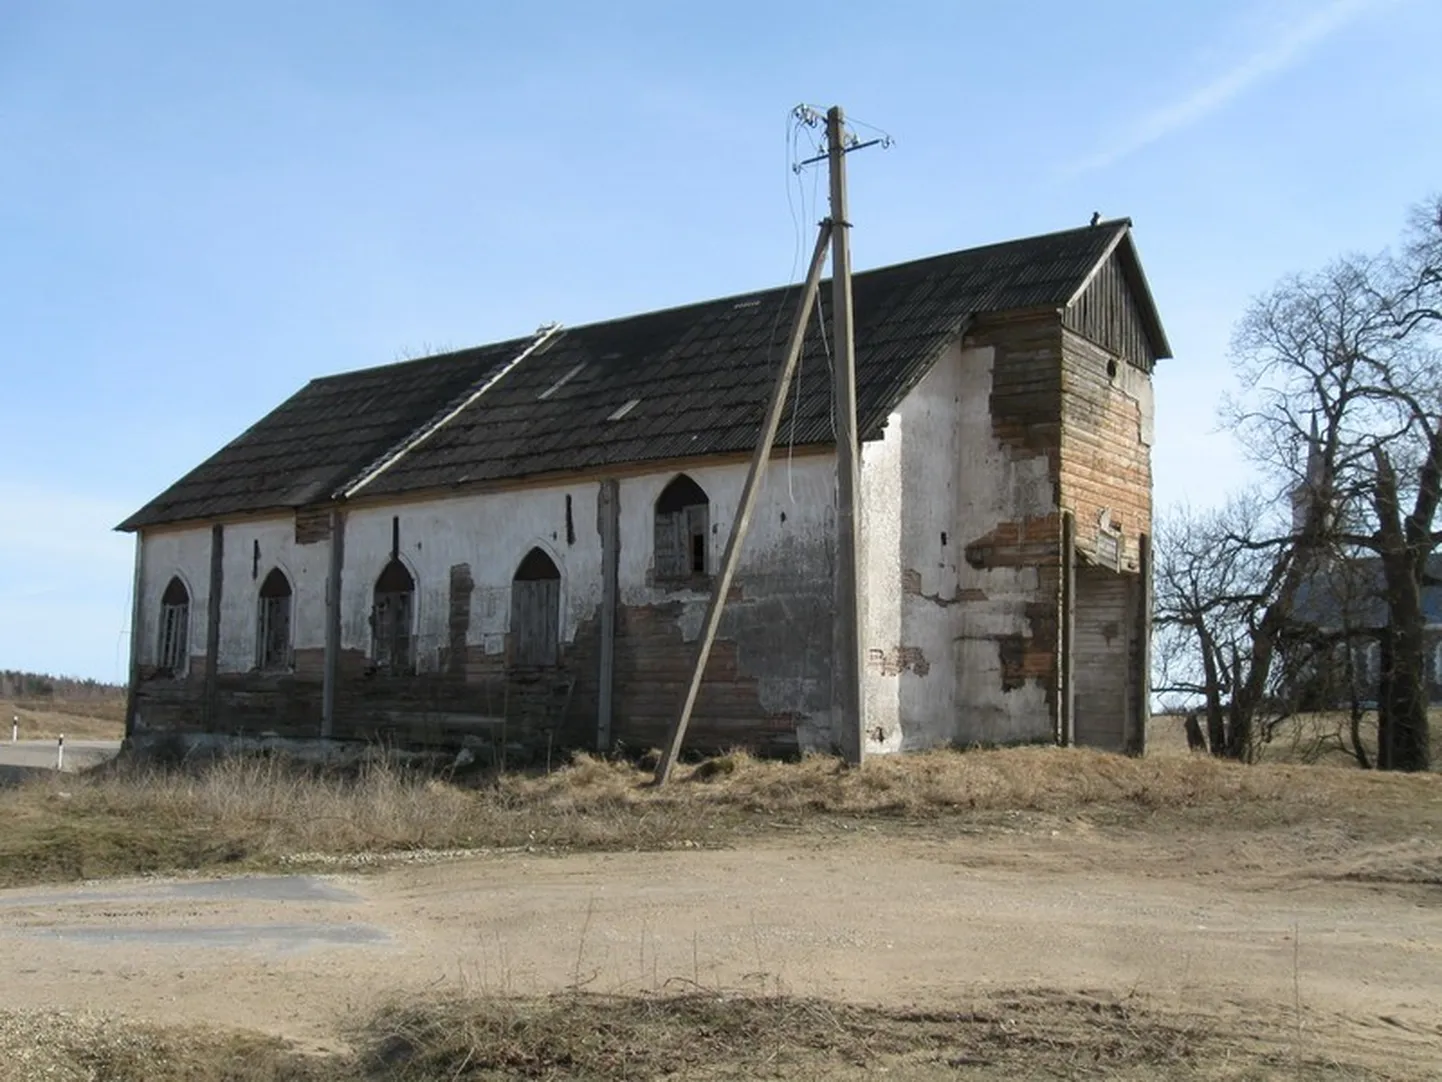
x=701 y=375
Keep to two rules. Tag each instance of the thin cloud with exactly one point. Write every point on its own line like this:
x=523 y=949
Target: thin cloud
x=1269 y=59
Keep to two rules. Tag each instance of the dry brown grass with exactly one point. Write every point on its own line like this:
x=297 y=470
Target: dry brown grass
x=704 y=1034
x=98 y=719
x=129 y=818
x=1313 y=738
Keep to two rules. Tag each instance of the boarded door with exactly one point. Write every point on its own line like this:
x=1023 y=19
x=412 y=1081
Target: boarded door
x=1104 y=658
x=536 y=612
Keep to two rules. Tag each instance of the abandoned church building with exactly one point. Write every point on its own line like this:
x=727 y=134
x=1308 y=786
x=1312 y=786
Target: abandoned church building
x=516 y=543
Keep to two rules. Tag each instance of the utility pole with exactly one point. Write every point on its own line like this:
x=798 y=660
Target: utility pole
x=847 y=702
x=749 y=491
x=846 y=678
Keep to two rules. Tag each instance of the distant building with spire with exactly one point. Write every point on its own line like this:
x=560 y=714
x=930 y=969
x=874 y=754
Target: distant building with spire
x=1314 y=486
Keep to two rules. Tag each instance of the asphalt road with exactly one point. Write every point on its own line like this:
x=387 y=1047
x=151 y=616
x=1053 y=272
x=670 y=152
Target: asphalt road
x=25 y=757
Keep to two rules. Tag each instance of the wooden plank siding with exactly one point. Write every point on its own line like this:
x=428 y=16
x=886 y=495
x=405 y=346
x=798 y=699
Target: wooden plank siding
x=1105 y=658
x=1107 y=313
x=1104 y=463
x=1105 y=480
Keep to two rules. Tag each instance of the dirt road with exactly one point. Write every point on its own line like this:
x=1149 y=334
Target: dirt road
x=866 y=918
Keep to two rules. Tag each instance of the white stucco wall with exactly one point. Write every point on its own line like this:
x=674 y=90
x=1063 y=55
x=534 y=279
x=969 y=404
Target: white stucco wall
x=187 y=553
x=166 y=554
x=489 y=532
x=242 y=574
x=880 y=557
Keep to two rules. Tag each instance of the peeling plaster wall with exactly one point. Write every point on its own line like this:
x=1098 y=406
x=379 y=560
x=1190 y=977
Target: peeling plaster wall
x=938 y=629
x=997 y=482
x=768 y=683
x=779 y=614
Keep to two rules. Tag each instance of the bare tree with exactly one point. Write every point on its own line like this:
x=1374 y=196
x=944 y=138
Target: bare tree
x=1340 y=402
x=1417 y=299
x=1227 y=584
x=1339 y=363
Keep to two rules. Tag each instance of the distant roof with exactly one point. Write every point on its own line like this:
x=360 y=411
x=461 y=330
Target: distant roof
x=1350 y=595
x=669 y=384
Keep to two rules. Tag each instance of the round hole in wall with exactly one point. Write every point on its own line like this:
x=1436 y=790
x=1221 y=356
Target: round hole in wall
x=1111 y=369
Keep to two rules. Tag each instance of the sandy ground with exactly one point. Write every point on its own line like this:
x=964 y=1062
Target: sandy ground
x=896 y=921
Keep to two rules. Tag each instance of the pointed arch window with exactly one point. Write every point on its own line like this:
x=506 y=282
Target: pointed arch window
x=273 y=622
x=174 y=652
x=536 y=611
x=392 y=618
x=683 y=523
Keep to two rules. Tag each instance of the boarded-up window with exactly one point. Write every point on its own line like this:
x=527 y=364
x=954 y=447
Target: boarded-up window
x=272 y=638
x=174 y=628
x=536 y=611
x=683 y=522
x=391 y=619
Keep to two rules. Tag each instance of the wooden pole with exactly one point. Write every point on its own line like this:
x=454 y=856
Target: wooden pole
x=1066 y=660
x=212 y=625
x=609 y=511
x=332 y=623
x=136 y=611
x=759 y=458
x=1145 y=587
x=846 y=680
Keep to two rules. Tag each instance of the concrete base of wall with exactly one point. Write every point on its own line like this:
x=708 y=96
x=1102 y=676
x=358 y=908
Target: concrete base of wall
x=175 y=747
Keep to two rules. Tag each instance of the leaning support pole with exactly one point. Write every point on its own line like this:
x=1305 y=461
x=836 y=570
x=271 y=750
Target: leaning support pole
x=748 y=501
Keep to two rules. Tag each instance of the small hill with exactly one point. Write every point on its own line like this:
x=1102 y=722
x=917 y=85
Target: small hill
x=46 y=706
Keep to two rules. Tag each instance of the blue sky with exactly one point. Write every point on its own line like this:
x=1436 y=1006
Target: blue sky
x=204 y=205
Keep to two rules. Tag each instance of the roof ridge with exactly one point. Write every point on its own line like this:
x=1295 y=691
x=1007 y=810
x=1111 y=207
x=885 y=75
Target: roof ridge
x=1122 y=224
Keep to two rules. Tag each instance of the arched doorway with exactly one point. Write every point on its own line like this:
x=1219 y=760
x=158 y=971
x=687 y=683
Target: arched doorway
x=174 y=650
x=683 y=521
x=272 y=633
x=392 y=618
x=536 y=611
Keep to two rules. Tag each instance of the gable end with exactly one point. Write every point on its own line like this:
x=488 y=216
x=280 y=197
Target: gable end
x=1108 y=313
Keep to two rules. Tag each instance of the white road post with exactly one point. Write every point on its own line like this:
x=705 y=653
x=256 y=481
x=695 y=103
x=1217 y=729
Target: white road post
x=14 y=728
x=60 y=753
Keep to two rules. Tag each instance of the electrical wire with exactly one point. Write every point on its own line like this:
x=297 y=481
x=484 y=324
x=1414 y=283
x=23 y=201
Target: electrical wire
x=797 y=120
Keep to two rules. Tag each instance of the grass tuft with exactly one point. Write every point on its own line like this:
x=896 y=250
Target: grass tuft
x=132 y=817
x=688 y=1034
